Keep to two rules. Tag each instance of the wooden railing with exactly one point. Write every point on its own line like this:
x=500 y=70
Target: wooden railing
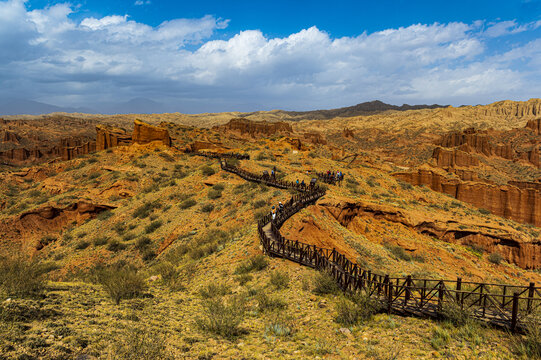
x=214 y=155
x=509 y=306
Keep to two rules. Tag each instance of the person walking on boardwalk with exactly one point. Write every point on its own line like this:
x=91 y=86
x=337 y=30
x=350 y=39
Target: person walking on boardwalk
x=303 y=185
x=273 y=212
x=280 y=207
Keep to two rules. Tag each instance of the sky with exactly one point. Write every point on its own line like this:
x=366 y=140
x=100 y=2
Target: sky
x=237 y=55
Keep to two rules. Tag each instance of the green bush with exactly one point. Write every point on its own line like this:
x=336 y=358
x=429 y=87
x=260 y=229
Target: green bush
x=142 y=243
x=101 y=240
x=222 y=318
x=207 y=171
x=207 y=208
x=104 y=215
x=121 y=282
x=115 y=246
x=82 y=245
x=214 y=194
x=170 y=275
x=495 y=258
x=20 y=277
x=153 y=226
x=256 y=263
x=213 y=290
x=219 y=187
x=324 y=283
x=266 y=302
x=137 y=343
x=398 y=252
x=279 y=280
x=187 y=203
x=355 y=309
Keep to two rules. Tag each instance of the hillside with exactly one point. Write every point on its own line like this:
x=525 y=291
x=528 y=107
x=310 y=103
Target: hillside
x=184 y=233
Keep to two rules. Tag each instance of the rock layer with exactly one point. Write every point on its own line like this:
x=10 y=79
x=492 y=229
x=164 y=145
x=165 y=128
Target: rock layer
x=519 y=204
x=256 y=128
x=517 y=250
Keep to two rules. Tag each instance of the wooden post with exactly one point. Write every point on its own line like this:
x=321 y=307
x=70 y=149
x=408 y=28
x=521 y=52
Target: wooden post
x=408 y=290
x=440 y=296
x=514 y=314
x=390 y=295
x=458 y=289
x=531 y=292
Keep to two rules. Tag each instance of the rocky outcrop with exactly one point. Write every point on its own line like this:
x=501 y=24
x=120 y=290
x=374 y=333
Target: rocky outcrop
x=69 y=153
x=348 y=133
x=530 y=108
x=144 y=133
x=480 y=142
x=108 y=137
x=519 y=204
x=256 y=128
x=20 y=155
x=534 y=125
x=450 y=158
x=513 y=247
x=476 y=140
x=8 y=136
x=314 y=138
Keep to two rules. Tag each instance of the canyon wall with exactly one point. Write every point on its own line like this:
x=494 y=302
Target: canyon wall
x=144 y=133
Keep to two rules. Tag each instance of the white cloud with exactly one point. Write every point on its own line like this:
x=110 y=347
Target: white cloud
x=50 y=57
x=142 y=2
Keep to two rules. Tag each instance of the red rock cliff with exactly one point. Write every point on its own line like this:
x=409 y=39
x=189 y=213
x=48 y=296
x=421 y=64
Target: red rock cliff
x=107 y=137
x=256 y=128
x=144 y=133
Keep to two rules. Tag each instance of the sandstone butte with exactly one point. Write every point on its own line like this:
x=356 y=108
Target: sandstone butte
x=70 y=148
x=260 y=129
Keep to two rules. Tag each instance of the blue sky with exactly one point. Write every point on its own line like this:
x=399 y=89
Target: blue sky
x=203 y=56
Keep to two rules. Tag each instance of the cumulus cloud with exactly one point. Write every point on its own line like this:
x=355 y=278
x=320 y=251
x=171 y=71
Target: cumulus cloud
x=142 y=2
x=50 y=57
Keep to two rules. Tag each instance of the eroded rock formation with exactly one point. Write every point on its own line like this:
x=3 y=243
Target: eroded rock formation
x=256 y=128
x=144 y=133
x=108 y=137
x=519 y=204
x=513 y=247
x=450 y=158
x=8 y=136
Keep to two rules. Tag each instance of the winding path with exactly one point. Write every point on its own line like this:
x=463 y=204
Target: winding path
x=508 y=306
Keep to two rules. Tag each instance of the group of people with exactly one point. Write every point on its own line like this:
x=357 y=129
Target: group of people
x=334 y=176
x=277 y=209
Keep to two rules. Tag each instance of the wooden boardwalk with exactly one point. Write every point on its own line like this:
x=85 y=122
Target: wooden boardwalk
x=509 y=306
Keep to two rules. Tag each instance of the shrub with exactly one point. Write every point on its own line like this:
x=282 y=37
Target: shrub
x=266 y=302
x=104 y=215
x=355 y=309
x=207 y=208
x=115 y=246
x=259 y=203
x=82 y=245
x=279 y=280
x=398 y=252
x=153 y=226
x=20 y=277
x=142 y=243
x=484 y=211
x=139 y=344
x=495 y=258
x=324 y=284
x=207 y=171
x=187 y=203
x=279 y=327
x=214 y=194
x=121 y=282
x=257 y=263
x=170 y=275
x=221 y=318
x=119 y=228
x=529 y=345
x=244 y=278
x=99 y=241
x=213 y=290
x=440 y=338
x=219 y=187
x=148 y=255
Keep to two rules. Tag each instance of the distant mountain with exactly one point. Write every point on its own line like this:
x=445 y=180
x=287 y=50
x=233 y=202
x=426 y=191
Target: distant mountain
x=366 y=108
x=136 y=106
x=30 y=107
